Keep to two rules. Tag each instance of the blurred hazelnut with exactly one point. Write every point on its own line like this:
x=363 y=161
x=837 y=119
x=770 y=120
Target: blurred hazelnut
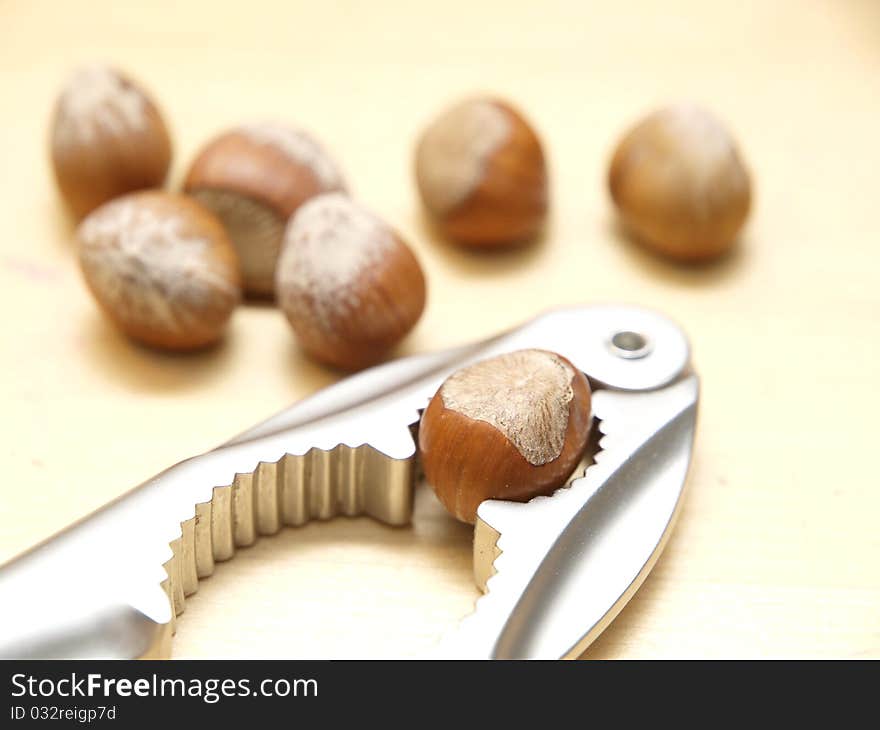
x=107 y=139
x=679 y=183
x=254 y=178
x=162 y=268
x=350 y=287
x=511 y=427
x=481 y=174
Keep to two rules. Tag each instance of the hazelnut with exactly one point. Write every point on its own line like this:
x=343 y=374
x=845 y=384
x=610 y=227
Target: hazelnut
x=161 y=267
x=350 y=287
x=254 y=178
x=107 y=139
x=511 y=427
x=679 y=183
x=481 y=174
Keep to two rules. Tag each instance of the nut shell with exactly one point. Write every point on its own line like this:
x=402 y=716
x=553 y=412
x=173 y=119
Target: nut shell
x=516 y=428
x=481 y=173
x=254 y=178
x=348 y=284
x=162 y=268
x=680 y=185
x=107 y=139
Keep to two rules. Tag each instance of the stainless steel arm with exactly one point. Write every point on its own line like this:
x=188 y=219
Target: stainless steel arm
x=112 y=584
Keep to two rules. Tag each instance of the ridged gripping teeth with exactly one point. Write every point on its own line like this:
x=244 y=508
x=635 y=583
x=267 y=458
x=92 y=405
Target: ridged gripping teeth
x=317 y=485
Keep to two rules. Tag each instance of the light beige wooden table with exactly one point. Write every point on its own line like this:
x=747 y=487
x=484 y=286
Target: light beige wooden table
x=778 y=550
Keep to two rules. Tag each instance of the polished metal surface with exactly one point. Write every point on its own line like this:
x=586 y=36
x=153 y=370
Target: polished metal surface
x=558 y=569
x=112 y=584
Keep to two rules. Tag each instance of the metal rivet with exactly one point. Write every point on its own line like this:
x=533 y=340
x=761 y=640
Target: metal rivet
x=630 y=345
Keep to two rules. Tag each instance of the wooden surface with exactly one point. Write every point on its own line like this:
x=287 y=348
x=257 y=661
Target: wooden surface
x=777 y=552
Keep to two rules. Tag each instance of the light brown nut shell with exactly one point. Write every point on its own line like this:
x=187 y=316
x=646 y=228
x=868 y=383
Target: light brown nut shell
x=162 y=268
x=348 y=284
x=254 y=178
x=470 y=459
x=107 y=139
x=680 y=185
x=481 y=174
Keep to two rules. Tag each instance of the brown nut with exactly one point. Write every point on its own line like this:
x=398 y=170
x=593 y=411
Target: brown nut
x=254 y=178
x=162 y=268
x=350 y=287
x=107 y=139
x=481 y=174
x=512 y=427
x=679 y=184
